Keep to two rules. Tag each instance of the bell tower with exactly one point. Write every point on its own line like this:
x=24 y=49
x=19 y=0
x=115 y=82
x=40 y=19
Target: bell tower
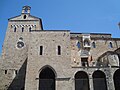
x=15 y=48
x=24 y=22
x=26 y=10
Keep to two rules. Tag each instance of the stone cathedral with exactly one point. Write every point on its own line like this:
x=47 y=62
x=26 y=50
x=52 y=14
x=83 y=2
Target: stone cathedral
x=37 y=59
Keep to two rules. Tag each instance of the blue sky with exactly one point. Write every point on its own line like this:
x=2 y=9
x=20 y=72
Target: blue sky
x=87 y=16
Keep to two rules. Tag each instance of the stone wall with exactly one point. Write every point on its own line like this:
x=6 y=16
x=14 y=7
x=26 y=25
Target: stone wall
x=21 y=62
x=50 y=40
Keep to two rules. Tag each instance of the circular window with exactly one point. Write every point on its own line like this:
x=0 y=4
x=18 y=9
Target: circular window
x=20 y=44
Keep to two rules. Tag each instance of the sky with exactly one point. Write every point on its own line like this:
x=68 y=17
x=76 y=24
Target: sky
x=83 y=16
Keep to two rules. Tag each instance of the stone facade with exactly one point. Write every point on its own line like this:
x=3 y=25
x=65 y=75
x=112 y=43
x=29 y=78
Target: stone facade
x=31 y=55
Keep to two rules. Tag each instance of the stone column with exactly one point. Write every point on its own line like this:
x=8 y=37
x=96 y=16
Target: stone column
x=109 y=79
x=91 y=82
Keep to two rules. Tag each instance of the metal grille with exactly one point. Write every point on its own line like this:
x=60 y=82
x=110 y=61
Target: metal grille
x=82 y=84
x=117 y=83
x=99 y=84
x=47 y=84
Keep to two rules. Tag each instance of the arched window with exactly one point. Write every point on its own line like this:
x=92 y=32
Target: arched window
x=24 y=17
x=47 y=79
x=99 y=80
x=30 y=29
x=116 y=79
x=5 y=71
x=59 y=50
x=81 y=81
x=93 y=45
x=22 y=29
x=86 y=42
x=15 y=29
x=78 y=45
x=110 y=45
x=16 y=72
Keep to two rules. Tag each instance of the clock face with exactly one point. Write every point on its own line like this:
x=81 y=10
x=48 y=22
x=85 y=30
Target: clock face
x=20 y=44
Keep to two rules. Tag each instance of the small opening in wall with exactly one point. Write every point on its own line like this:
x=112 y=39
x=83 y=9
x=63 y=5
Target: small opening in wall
x=11 y=26
x=59 y=50
x=16 y=72
x=93 y=45
x=15 y=29
x=22 y=29
x=84 y=62
x=110 y=45
x=78 y=44
x=24 y=17
x=5 y=71
x=30 y=29
x=20 y=38
x=41 y=50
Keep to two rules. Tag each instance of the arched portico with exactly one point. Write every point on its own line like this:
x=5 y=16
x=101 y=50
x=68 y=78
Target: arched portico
x=81 y=81
x=116 y=79
x=99 y=80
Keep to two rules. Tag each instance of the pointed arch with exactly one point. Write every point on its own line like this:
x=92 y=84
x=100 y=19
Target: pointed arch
x=81 y=81
x=116 y=78
x=99 y=80
x=47 y=78
x=50 y=68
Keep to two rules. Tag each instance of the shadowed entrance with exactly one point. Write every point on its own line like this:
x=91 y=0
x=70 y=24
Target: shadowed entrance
x=47 y=79
x=99 y=80
x=81 y=81
x=116 y=78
